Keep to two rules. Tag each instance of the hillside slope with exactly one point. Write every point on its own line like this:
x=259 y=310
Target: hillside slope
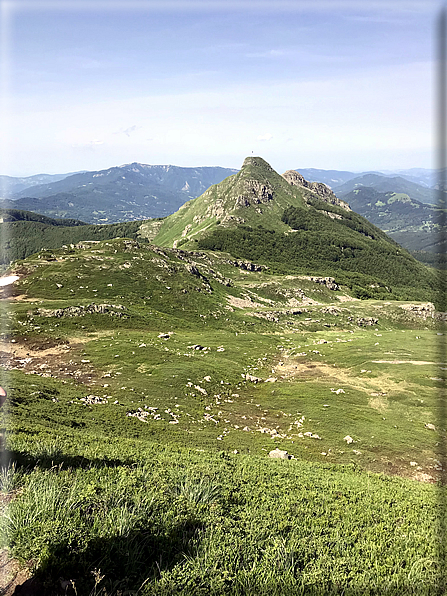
x=255 y=195
x=296 y=227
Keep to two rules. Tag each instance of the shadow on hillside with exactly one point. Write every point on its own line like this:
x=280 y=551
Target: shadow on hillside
x=50 y=460
x=125 y=562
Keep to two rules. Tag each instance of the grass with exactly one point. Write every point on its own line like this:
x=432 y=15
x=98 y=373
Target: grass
x=161 y=483
x=269 y=525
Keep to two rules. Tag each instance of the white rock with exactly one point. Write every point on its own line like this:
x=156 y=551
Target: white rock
x=279 y=454
x=348 y=439
x=430 y=426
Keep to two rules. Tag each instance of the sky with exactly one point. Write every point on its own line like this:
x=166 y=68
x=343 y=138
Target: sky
x=87 y=85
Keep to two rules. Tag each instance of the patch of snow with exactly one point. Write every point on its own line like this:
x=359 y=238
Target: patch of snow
x=6 y=281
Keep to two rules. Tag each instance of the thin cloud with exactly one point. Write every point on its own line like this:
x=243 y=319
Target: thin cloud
x=127 y=131
x=267 y=54
x=92 y=143
x=266 y=137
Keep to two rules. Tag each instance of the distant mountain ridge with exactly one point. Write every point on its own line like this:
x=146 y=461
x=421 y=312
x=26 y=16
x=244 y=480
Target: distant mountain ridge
x=11 y=185
x=388 y=184
x=121 y=193
x=133 y=192
x=334 y=178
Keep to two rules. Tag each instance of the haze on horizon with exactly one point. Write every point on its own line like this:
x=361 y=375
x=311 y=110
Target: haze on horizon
x=330 y=85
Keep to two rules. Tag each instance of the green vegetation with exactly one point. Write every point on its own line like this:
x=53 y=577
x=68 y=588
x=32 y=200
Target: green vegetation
x=26 y=233
x=257 y=214
x=132 y=518
x=138 y=433
x=371 y=269
x=148 y=385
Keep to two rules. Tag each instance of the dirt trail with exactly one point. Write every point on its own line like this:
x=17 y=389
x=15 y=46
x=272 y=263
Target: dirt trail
x=378 y=386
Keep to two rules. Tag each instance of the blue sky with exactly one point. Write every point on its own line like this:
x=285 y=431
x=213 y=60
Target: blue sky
x=332 y=85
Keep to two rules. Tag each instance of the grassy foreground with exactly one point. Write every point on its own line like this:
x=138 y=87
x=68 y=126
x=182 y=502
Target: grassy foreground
x=138 y=433
x=154 y=520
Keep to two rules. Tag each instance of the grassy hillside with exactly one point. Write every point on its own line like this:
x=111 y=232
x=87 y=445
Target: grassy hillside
x=147 y=387
x=255 y=195
x=258 y=215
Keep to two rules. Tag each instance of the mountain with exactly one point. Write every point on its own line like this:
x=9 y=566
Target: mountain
x=395 y=213
x=334 y=178
x=122 y=193
x=11 y=185
x=421 y=176
x=187 y=374
x=396 y=184
x=331 y=178
x=291 y=225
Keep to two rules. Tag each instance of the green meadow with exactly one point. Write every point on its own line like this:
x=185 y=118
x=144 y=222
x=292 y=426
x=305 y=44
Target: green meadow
x=146 y=389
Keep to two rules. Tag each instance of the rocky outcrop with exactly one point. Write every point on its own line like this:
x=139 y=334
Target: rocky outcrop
x=255 y=193
x=420 y=310
x=80 y=311
x=329 y=282
x=365 y=321
x=322 y=191
x=274 y=316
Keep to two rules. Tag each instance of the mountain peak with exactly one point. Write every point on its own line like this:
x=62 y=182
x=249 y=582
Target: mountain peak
x=252 y=163
x=321 y=190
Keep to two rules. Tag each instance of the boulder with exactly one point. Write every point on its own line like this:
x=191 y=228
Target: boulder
x=279 y=454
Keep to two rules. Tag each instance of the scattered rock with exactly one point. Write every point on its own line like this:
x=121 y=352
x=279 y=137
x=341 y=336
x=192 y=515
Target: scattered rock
x=279 y=454
x=94 y=399
x=312 y=435
x=80 y=311
x=365 y=321
x=424 y=311
x=252 y=378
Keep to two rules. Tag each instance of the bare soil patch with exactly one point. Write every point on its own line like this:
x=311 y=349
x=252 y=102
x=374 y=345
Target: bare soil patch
x=12 y=574
x=47 y=357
